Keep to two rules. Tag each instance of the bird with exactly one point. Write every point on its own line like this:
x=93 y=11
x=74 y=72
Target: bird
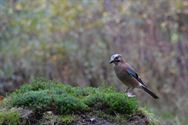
x=128 y=76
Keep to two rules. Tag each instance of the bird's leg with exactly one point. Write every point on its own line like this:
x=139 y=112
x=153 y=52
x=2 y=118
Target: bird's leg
x=127 y=90
x=130 y=94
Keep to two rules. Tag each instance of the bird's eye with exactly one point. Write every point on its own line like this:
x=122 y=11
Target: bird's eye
x=116 y=58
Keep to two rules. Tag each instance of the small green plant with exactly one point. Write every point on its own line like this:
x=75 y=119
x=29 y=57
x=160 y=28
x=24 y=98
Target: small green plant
x=10 y=117
x=66 y=119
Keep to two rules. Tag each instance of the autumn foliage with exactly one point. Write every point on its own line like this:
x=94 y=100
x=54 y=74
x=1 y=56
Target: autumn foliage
x=72 y=41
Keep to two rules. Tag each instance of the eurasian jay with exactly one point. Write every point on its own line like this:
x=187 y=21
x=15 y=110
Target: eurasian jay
x=128 y=76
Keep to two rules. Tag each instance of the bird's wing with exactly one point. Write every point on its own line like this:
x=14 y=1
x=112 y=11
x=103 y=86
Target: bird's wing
x=132 y=73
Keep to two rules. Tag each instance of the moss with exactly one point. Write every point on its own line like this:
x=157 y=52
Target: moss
x=43 y=95
x=150 y=116
x=10 y=116
x=66 y=119
x=118 y=118
x=65 y=102
x=112 y=102
x=50 y=118
x=48 y=100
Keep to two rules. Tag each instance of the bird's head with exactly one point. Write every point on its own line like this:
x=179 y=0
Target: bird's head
x=116 y=58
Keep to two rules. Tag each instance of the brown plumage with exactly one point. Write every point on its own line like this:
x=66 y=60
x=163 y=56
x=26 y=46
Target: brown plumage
x=127 y=75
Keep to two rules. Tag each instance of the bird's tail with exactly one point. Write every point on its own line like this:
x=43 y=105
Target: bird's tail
x=149 y=92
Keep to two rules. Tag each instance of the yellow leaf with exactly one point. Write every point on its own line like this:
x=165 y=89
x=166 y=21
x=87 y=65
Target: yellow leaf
x=19 y=6
x=1 y=98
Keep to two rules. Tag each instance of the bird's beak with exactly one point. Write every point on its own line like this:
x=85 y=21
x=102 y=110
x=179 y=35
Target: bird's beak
x=111 y=61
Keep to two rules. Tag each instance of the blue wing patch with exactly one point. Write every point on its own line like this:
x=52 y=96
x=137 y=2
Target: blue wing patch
x=132 y=73
x=135 y=75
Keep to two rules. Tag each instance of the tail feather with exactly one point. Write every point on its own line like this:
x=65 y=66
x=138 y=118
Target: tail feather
x=149 y=92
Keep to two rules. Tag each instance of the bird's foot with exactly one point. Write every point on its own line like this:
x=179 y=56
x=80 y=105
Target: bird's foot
x=130 y=95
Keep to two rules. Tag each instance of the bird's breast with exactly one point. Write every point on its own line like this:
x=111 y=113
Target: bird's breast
x=124 y=77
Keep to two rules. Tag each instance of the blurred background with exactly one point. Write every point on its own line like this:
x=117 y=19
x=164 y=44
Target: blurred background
x=72 y=41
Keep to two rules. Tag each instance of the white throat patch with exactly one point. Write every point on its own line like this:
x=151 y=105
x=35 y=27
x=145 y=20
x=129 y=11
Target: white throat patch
x=114 y=56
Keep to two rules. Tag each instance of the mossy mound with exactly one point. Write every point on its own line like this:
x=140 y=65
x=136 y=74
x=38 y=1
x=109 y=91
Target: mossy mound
x=66 y=104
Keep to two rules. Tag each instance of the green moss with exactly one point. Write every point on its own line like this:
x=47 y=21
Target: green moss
x=10 y=117
x=43 y=95
x=150 y=116
x=43 y=100
x=66 y=119
x=112 y=102
x=118 y=118
x=65 y=102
